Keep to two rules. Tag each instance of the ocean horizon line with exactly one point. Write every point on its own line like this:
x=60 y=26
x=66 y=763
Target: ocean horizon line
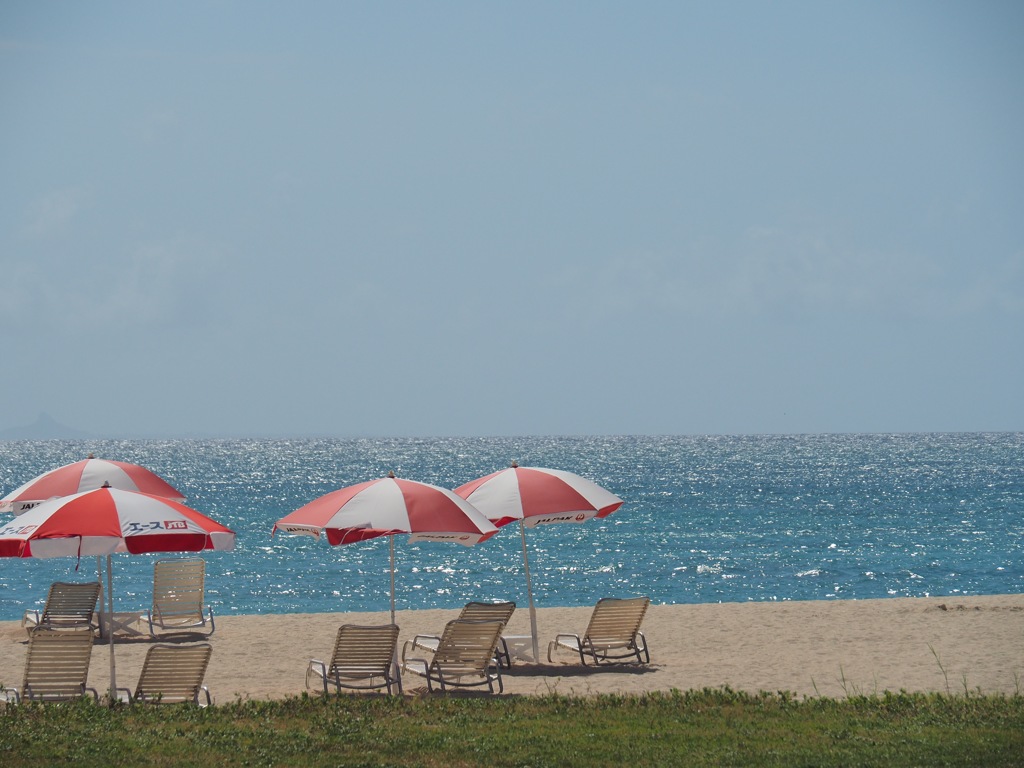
x=214 y=436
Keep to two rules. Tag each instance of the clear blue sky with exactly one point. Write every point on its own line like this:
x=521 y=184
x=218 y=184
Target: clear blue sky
x=512 y=218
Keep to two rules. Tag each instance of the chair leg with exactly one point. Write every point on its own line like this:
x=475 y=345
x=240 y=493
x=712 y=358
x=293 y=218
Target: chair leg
x=642 y=643
x=583 y=659
x=503 y=656
x=394 y=676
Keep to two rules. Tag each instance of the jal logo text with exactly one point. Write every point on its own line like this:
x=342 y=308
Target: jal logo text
x=562 y=518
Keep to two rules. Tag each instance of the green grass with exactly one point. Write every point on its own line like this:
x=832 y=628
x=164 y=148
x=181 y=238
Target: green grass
x=709 y=727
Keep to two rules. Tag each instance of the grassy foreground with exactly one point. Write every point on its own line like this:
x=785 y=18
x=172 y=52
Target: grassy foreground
x=710 y=727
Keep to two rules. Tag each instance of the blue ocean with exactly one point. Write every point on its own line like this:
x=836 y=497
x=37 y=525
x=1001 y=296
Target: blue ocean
x=705 y=519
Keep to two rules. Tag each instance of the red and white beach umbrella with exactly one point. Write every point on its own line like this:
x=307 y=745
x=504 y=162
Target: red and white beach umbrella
x=87 y=475
x=537 y=496
x=387 y=507
x=109 y=520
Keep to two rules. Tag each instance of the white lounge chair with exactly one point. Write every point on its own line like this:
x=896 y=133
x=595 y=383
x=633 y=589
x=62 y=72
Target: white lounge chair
x=68 y=606
x=173 y=674
x=178 y=597
x=56 y=666
x=363 y=659
x=612 y=634
x=465 y=656
x=474 y=611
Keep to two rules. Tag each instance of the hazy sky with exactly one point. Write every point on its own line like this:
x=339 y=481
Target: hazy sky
x=512 y=218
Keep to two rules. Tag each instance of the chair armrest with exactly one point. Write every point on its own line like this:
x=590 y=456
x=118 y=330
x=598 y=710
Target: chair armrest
x=209 y=611
x=423 y=642
x=129 y=699
x=563 y=640
x=411 y=665
x=209 y=699
x=11 y=695
x=319 y=668
x=31 y=617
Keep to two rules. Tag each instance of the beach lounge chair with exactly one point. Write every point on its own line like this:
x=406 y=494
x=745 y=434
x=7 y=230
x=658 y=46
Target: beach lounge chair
x=465 y=656
x=612 y=634
x=178 y=595
x=173 y=674
x=56 y=666
x=474 y=611
x=68 y=606
x=363 y=659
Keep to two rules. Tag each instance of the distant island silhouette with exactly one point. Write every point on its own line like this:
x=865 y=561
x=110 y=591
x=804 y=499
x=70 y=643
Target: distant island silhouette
x=44 y=428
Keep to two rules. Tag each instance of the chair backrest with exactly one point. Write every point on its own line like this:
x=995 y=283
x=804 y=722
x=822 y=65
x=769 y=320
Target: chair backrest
x=468 y=645
x=173 y=673
x=615 y=620
x=57 y=664
x=70 y=606
x=364 y=648
x=178 y=590
x=488 y=612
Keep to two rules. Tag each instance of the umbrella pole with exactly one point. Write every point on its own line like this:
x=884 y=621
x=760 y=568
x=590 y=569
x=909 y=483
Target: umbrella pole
x=103 y=596
x=391 y=542
x=110 y=630
x=529 y=593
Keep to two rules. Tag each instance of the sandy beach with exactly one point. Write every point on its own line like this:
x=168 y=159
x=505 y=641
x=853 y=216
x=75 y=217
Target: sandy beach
x=815 y=648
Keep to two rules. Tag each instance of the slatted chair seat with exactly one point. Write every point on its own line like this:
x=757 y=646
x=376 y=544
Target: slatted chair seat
x=612 y=634
x=465 y=656
x=56 y=666
x=474 y=611
x=179 y=592
x=173 y=674
x=68 y=606
x=363 y=659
